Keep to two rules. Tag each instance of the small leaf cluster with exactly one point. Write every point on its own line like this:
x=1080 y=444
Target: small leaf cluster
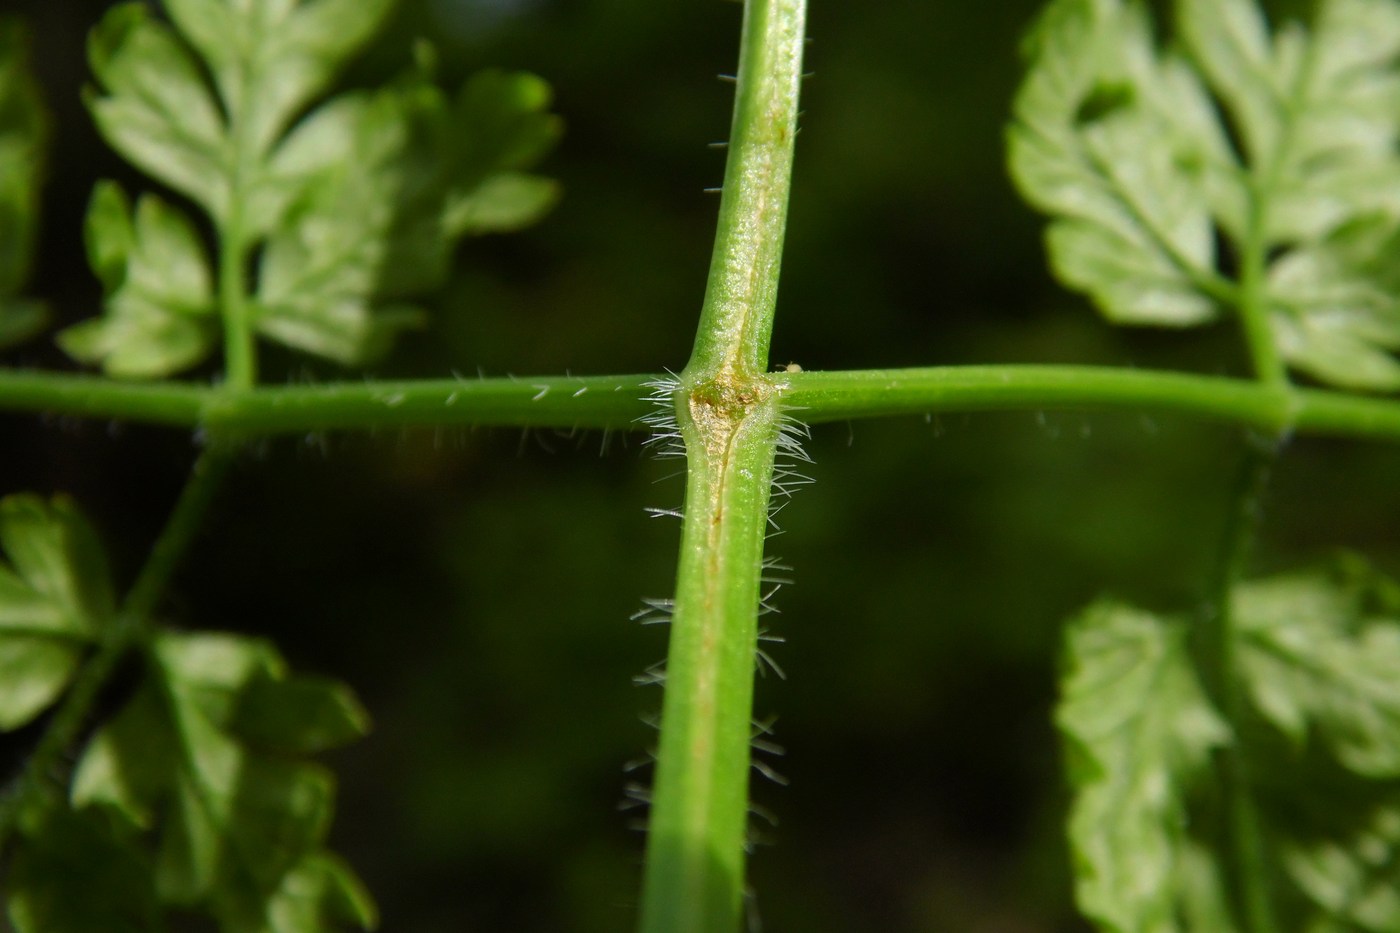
x=1319 y=663
x=342 y=213
x=1238 y=167
x=198 y=794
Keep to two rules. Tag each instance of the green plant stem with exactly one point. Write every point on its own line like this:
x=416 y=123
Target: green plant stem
x=1253 y=307
x=130 y=628
x=839 y=396
x=728 y=416
x=736 y=319
x=240 y=347
x=1248 y=869
x=555 y=401
x=695 y=844
x=617 y=402
x=240 y=343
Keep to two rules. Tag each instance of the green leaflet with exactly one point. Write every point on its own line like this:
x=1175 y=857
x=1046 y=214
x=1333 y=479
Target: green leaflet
x=1126 y=147
x=24 y=135
x=158 y=284
x=1138 y=729
x=334 y=280
x=206 y=758
x=55 y=600
x=341 y=244
x=1318 y=656
x=79 y=873
x=1336 y=838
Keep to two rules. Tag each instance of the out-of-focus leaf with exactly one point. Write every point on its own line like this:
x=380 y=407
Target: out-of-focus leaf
x=203 y=758
x=302 y=715
x=320 y=272
x=1125 y=147
x=1343 y=314
x=499 y=124
x=160 y=309
x=157 y=109
x=1138 y=730
x=347 y=211
x=270 y=58
x=79 y=873
x=1338 y=840
x=317 y=894
x=1315 y=108
x=1203 y=901
x=369 y=232
x=1116 y=145
x=505 y=201
x=1320 y=654
x=55 y=598
x=24 y=136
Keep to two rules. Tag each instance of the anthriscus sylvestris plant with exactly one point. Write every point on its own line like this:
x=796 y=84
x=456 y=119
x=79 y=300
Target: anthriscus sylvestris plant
x=1233 y=763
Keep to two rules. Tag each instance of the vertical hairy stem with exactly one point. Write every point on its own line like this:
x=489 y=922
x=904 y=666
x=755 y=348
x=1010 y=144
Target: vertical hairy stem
x=728 y=416
x=695 y=846
x=742 y=290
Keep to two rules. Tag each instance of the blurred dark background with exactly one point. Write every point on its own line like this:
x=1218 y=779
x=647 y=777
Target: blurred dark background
x=476 y=587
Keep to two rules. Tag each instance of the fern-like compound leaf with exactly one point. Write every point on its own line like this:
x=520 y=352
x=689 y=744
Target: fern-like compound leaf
x=347 y=211
x=1320 y=655
x=1318 y=658
x=1161 y=168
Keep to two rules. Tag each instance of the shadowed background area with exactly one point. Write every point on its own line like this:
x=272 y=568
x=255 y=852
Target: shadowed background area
x=476 y=587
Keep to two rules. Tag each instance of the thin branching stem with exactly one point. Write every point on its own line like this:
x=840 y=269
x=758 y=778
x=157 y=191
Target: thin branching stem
x=240 y=342
x=1248 y=869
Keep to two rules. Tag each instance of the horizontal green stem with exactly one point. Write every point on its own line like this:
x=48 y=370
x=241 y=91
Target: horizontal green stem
x=617 y=401
x=555 y=401
x=839 y=396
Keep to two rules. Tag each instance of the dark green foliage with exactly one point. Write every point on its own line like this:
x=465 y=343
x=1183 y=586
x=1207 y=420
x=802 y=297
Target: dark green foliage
x=24 y=134
x=194 y=795
x=205 y=758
